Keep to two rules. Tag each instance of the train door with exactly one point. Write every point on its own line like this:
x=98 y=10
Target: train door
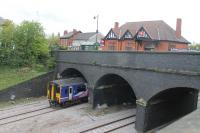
x=70 y=92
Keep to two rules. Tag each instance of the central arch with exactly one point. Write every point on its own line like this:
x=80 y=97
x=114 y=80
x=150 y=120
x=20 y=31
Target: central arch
x=72 y=73
x=112 y=89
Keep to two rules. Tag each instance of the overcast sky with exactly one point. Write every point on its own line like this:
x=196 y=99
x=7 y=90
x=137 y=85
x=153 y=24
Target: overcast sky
x=58 y=15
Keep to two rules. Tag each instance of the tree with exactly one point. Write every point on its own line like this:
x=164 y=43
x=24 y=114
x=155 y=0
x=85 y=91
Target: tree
x=53 y=42
x=6 y=41
x=30 y=44
x=195 y=47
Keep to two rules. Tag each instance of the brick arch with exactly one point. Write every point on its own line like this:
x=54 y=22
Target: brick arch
x=171 y=89
x=170 y=104
x=72 y=72
x=118 y=85
x=127 y=79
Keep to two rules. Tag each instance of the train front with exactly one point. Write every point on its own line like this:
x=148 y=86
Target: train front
x=53 y=93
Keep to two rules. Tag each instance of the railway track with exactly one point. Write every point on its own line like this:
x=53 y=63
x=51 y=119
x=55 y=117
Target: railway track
x=23 y=106
x=25 y=115
x=112 y=126
x=18 y=114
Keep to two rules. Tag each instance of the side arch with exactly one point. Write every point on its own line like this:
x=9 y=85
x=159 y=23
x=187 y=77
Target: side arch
x=169 y=105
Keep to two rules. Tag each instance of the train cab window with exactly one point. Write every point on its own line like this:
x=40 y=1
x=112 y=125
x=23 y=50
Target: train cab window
x=81 y=88
x=57 y=88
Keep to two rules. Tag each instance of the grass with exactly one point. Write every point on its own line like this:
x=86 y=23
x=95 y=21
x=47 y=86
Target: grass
x=12 y=76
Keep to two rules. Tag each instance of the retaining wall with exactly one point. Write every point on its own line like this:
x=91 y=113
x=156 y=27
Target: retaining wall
x=34 y=87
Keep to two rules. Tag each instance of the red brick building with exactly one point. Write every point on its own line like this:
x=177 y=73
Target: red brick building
x=145 y=36
x=68 y=38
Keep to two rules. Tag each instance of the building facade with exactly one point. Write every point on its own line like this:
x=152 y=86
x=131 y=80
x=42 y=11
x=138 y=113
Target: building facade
x=67 y=38
x=87 y=41
x=145 y=36
x=76 y=40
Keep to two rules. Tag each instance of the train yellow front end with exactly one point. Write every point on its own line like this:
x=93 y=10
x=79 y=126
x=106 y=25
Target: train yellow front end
x=53 y=93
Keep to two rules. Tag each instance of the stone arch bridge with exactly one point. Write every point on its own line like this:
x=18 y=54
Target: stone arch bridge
x=164 y=85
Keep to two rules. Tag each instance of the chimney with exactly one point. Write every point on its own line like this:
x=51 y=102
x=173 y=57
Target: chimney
x=116 y=26
x=65 y=32
x=74 y=31
x=178 y=28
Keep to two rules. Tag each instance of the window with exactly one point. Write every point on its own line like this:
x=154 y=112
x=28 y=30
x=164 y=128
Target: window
x=111 y=35
x=142 y=34
x=81 y=88
x=70 y=90
x=171 y=46
x=127 y=48
x=128 y=35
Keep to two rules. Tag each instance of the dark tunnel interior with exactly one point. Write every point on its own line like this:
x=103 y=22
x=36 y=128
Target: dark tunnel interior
x=72 y=73
x=113 y=90
x=170 y=105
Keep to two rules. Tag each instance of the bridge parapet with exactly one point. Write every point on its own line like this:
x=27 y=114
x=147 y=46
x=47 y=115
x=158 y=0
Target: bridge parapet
x=168 y=62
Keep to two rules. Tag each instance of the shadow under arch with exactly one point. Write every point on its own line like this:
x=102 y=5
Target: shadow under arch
x=169 y=105
x=112 y=89
x=72 y=73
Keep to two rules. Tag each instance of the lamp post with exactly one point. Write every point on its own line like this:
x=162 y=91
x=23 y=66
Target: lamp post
x=97 y=18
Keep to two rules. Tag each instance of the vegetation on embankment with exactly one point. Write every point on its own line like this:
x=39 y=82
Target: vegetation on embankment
x=25 y=52
x=10 y=76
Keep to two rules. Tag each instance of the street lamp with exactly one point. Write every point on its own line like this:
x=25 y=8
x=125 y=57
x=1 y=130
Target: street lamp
x=97 y=18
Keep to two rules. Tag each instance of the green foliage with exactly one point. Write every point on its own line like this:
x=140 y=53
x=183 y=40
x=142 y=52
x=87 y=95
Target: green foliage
x=63 y=47
x=6 y=41
x=51 y=63
x=30 y=44
x=10 y=76
x=195 y=47
x=53 y=42
x=25 y=45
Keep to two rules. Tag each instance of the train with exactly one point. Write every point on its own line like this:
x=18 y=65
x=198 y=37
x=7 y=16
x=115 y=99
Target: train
x=67 y=91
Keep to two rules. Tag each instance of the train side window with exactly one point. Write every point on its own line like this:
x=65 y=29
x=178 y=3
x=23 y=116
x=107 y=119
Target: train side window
x=81 y=88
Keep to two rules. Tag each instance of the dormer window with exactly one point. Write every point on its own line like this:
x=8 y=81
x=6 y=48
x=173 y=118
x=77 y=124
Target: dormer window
x=111 y=35
x=127 y=35
x=142 y=34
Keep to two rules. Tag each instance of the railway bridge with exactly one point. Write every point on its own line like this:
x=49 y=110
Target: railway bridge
x=163 y=86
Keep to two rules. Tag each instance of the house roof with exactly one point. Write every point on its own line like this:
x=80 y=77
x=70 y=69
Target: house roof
x=84 y=36
x=157 y=30
x=69 y=35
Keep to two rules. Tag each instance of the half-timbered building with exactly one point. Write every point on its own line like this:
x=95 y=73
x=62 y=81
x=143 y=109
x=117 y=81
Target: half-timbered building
x=145 y=36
